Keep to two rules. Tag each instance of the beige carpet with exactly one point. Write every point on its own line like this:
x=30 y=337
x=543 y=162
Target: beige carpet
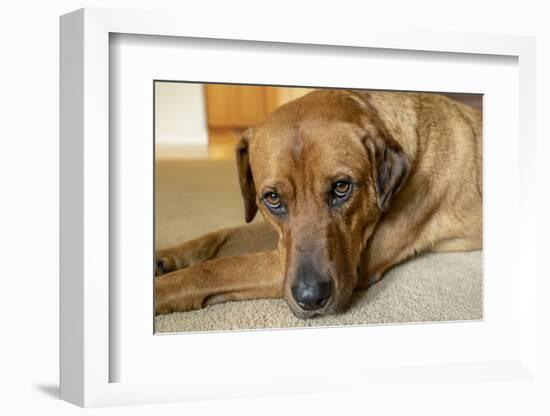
x=194 y=197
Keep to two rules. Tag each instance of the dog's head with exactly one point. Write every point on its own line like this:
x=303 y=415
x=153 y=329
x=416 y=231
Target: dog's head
x=322 y=169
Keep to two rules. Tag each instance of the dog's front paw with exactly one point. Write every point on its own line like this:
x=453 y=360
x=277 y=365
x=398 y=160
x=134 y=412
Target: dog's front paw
x=176 y=258
x=179 y=291
x=179 y=305
x=164 y=264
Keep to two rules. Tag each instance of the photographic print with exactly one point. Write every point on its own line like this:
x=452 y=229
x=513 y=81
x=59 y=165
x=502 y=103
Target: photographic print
x=281 y=207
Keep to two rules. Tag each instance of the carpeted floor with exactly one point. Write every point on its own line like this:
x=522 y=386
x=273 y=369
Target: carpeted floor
x=194 y=197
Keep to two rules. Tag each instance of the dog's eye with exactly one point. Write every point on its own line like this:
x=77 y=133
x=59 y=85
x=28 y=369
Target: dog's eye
x=272 y=200
x=340 y=192
x=341 y=188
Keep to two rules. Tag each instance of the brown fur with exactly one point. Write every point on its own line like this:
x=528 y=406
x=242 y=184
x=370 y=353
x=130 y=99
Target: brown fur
x=414 y=161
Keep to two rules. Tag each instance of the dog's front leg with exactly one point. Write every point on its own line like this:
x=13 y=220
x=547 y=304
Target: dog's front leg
x=233 y=241
x=184 y=255
x=250 y=276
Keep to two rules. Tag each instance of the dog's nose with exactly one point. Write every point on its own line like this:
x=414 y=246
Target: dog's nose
x=310 y=294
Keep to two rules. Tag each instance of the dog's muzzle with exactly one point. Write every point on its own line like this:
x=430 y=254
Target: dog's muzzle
x=310 y=290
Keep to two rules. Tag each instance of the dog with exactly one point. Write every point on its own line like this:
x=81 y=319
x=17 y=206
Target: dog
x=350 y=183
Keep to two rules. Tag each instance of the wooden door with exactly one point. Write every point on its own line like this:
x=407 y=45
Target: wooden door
x=236 y=106
x=242 y=106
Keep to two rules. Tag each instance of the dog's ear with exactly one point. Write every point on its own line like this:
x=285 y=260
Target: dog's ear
x=390 y=166
x=245 y=176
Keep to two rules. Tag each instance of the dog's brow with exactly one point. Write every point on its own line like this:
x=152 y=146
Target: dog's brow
x=273 y=186
x=341 y=174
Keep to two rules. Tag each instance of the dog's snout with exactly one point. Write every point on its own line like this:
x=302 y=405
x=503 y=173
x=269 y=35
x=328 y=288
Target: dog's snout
x=311 y=291
x=311 y=295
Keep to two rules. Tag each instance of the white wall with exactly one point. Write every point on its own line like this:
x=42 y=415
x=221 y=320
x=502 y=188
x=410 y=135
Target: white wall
x=30 y=175
x=180 y=114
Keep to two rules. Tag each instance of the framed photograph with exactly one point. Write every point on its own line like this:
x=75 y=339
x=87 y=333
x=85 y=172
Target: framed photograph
x=286 y=213
x=200 y=216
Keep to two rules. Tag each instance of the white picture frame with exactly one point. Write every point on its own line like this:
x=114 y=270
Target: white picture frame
x=87 y=355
